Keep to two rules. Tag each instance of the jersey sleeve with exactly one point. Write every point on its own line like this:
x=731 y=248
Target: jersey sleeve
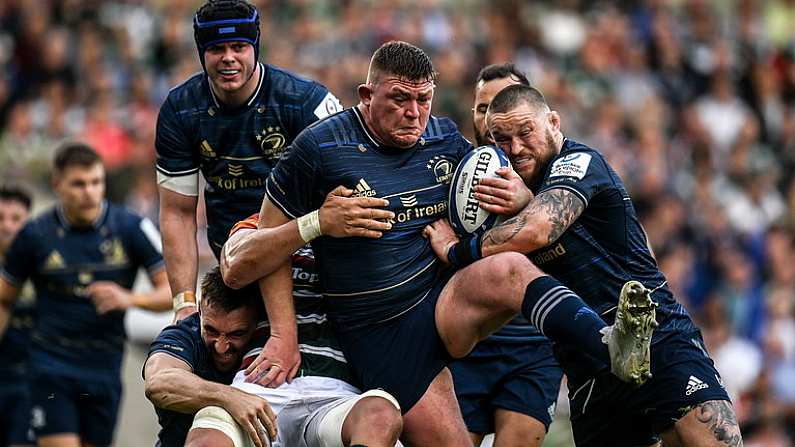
x=292 y=183
x=251 y=222
x=20 y=258
x=177 y=341
x=177 y=163
x=582 y=172
x=320 y=103
x=145 y=244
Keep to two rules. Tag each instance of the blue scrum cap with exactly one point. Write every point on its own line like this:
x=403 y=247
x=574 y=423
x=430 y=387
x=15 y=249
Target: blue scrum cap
x=226 y=21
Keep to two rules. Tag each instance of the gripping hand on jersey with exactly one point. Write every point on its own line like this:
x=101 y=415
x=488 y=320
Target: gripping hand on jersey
x=342 y=215
x=442 y=237
x=505 y=195
x=278 y=362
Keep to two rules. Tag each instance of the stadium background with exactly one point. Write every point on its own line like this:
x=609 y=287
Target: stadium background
x=692 y=101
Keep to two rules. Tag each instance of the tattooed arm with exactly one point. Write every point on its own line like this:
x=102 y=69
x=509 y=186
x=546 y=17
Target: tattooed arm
x=539 y=224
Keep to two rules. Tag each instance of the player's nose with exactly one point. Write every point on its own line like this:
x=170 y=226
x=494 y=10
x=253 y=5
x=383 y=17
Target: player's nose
x=222 y=345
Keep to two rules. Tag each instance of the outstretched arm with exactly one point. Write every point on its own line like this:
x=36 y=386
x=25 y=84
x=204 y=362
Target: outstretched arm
x=172 y=385
x=249 y=256
x=180 y=248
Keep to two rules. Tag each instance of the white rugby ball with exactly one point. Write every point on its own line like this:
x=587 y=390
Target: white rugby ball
x=465 y=214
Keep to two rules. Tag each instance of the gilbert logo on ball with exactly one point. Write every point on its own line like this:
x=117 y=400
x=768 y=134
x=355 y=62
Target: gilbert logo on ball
x=465 y=214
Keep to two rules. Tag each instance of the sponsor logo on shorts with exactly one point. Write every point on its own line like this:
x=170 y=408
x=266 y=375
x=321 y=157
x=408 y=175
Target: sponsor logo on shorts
x=694 y=384
x=363 y=189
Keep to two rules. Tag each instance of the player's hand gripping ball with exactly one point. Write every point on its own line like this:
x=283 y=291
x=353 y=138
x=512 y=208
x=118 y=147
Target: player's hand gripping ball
x=465 y=214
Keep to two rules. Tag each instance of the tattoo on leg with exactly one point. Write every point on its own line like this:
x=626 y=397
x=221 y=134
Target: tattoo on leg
x=719 y=417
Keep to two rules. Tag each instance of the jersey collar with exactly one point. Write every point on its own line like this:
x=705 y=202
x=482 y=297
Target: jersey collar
x=95 y=225
x=360 y=119
x=251 y=98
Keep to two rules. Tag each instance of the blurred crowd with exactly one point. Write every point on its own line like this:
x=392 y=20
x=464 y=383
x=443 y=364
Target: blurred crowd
x=692 y=101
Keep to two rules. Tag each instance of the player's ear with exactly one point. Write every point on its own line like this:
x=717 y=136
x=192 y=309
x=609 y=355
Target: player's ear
x=554 y=120
x=365 y=93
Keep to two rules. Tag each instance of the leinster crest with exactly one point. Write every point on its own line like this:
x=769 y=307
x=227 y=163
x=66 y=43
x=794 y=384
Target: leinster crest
x=271 y=141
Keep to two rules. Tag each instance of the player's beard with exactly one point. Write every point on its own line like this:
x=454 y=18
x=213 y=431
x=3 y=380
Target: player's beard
x=480 y=139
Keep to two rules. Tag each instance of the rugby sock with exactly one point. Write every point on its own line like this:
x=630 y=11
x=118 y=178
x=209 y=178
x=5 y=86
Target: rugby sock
x=564 y=317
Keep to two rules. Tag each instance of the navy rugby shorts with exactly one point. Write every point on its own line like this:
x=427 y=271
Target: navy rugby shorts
x=515 y=377
x=15 y=406
x=401 y=355
x=608 y=412
x=86 y=407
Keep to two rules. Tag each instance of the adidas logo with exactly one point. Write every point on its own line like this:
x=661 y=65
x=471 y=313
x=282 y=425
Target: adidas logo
x=54 y=261
x=362 y=189
x=694 y=384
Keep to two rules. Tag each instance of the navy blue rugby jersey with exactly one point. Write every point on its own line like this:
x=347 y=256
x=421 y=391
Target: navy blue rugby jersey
x=15 y=346
x=370 y=280
x=183 y=341
x=70 y=338
x=235 y=149
x=606 y=246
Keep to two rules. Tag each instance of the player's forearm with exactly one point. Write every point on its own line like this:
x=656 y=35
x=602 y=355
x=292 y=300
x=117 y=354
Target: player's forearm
x=8 y=298
x=258 y=253
x=180 y=250
x=158 y=300
x=184 y=392
x=515 y=234
x=277 y=295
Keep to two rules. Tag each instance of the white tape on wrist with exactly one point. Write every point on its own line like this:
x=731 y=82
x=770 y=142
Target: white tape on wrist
x=309 y=226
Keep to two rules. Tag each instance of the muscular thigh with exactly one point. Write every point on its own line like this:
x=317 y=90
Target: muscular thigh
x=481 y=298
x=435 y=419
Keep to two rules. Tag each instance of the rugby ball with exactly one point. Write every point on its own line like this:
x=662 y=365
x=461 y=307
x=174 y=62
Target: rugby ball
x=465 y=214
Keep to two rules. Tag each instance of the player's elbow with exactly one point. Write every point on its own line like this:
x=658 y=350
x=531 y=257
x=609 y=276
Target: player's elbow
x=233 y=272
x=155 y=387
x=531 y=238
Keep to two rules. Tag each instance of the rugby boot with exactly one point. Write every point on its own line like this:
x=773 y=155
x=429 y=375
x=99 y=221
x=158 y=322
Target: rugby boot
x=629 y=338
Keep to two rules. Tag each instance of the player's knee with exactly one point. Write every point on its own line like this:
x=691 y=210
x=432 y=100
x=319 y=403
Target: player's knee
x=521 y=435
x=377 y=414
x=511 y=270
x=214 y=426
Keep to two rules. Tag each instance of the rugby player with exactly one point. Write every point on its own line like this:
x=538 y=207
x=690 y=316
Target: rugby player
x=398 y=316
x=508 y=385
x=82 y=256
x=321 y=408
x=231 y=122
x=15 y=427
x=190 y=364
x=581 y=227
